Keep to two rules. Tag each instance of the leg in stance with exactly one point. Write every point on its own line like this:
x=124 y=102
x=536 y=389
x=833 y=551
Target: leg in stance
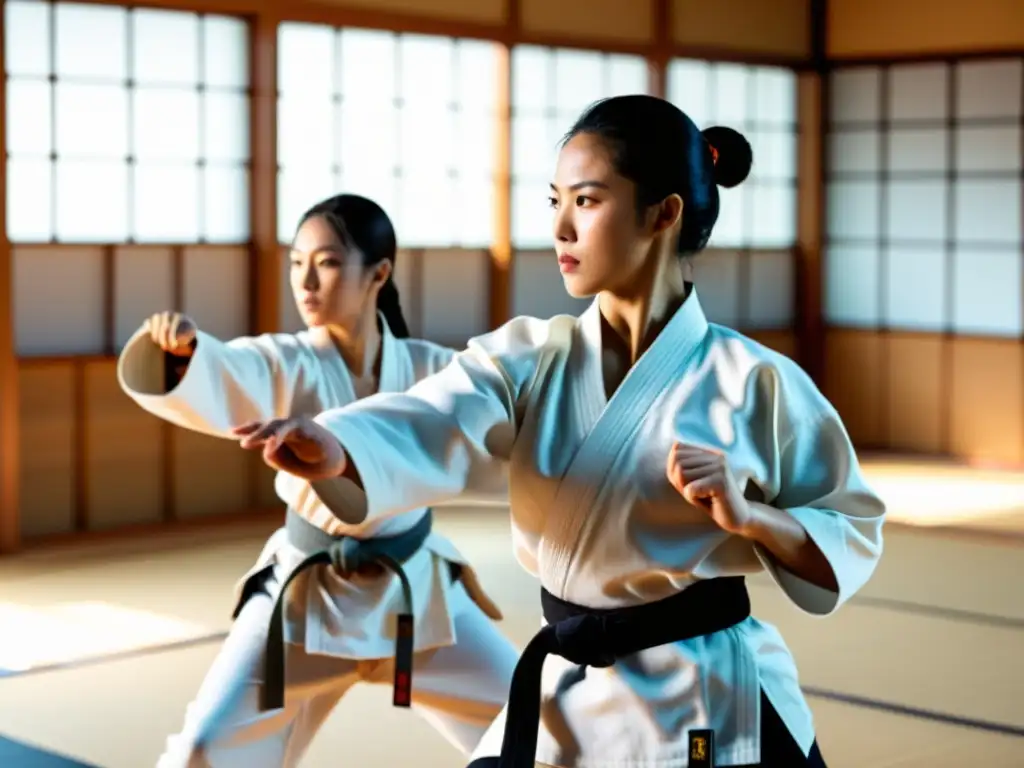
x=460 y=689
x=778 y=747
x=224 y=727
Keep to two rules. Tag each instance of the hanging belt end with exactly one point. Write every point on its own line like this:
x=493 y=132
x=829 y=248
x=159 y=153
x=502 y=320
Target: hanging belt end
x=403 y=661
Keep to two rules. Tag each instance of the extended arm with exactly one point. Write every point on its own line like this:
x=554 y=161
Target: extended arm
x=224 y=384
x=451 y=433
x=446 y=436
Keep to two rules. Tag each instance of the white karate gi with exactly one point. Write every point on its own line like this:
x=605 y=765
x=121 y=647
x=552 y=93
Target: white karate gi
x=338 y=631
x=595 y=518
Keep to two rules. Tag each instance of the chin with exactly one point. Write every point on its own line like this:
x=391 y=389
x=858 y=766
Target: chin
x=579 y=288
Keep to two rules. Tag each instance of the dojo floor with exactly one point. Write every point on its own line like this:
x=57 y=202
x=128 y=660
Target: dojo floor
x=102 y=646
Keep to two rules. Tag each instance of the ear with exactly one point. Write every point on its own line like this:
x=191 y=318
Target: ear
x=381 y=272
x=667 y=214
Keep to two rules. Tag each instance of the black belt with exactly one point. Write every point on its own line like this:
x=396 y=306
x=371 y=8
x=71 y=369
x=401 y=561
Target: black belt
x=598 y=637
x=346 y=554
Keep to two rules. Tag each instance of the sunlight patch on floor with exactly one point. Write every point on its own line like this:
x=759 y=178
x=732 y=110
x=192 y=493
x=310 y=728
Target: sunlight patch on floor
x=936 y=494
x=32 y=637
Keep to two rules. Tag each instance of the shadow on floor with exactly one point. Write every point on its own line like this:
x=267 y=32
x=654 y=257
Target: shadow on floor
x=18 y=754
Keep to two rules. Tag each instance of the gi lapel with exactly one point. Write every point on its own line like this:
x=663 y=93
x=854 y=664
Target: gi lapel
x=338 y=379
x=616 y=422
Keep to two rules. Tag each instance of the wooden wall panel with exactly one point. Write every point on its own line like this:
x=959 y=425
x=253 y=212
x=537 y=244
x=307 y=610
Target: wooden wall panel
x=47 y=448
x=264 y=495
x=215 y=289
x=144 y=283
x=537 y=287
x=629 y=20
x=915 y=390
x=782 y=341
x=987 y=400
x=123 y=461
x=853 y=381
x=454 y=289
x=59 y=300
x=882 y=28
x=779 y=27
x=211 y=476
x=925 y=393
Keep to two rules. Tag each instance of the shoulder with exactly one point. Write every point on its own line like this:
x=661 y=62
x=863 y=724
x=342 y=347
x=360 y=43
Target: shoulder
x=515 y=352
x=279 y=348
x=525 y=337
x=797 y=393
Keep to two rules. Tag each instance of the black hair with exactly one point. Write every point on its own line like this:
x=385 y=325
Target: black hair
x=362 y=225
x=657 y=147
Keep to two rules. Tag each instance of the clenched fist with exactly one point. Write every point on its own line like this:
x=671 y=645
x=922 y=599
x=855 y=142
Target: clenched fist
x=703 y=477
x=173 y=332
x=298 y=446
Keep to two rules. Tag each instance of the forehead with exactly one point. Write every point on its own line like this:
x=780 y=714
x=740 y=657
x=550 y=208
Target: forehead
x=316 y=233
x=584 y=157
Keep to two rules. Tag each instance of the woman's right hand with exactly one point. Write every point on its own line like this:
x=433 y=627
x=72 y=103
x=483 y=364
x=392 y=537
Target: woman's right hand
x=173 y=332
x=298 y=446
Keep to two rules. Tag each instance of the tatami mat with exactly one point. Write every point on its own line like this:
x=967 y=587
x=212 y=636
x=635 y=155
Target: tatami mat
x=888 y=674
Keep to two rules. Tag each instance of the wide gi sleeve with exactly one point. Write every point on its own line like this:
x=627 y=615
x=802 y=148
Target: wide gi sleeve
x=824 y=489
x=226 y=383
x=448 y=435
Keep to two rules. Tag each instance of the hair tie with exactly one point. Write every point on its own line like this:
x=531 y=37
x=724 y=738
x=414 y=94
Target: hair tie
x=714 y=153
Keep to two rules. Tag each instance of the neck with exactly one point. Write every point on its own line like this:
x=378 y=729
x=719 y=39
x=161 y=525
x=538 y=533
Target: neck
x=637 y=316
x=359 y=347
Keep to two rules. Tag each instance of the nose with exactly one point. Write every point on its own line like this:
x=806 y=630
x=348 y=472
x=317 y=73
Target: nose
x=564 y=230
x=310 y=280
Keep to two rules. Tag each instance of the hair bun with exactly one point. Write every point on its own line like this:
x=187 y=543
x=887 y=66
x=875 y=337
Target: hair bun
x=735 y=156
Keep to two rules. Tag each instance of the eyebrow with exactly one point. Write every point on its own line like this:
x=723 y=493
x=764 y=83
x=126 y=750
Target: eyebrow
x=317 y=251
x=581 y=184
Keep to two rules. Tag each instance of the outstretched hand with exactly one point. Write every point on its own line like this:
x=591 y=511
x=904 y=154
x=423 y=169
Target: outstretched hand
x=298 y=446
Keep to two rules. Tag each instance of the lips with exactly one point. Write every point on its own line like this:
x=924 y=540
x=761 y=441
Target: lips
x=567 y=260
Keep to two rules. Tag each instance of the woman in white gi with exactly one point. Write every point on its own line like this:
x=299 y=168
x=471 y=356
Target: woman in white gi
x=260 y=709
x=655 y=459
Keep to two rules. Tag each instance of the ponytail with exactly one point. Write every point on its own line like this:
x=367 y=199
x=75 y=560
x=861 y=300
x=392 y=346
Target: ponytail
x=390 y=306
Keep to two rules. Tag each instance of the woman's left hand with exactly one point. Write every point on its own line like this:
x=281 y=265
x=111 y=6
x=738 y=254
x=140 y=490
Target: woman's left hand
x=702 y=477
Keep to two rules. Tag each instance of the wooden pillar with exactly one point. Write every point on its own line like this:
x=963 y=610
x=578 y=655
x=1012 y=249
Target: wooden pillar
x=812 y=98
x=657 y=61
x=10 y=409
x=265 y=261
x=266 y=252
x=502 y=255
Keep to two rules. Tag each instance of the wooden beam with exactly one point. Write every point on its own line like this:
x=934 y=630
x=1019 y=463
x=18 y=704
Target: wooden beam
x=10 y=408
x=508 y=33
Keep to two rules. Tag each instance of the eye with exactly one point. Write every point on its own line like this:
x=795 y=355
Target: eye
x=296 y=263
x=582 y=200
x=552 y=202
x=330 y=262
